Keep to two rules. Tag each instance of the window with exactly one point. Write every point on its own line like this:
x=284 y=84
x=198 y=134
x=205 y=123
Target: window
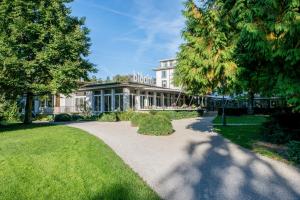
x=163 y=74
x=97 y=103
x=164 y=83
x=107 y=103
x=80 y=104
x=119 y=102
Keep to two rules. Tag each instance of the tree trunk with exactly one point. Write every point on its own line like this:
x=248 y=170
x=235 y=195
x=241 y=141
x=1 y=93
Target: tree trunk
x=250 y=104
x=223 y=112
x=28 y=108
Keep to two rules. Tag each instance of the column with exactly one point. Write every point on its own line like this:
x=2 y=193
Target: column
x=126 y=99
x=146 y=103
x=112 y=100
x=137 y=100
x=154 y=100
x=162 y=99
x=89 y=101
x=102 y=101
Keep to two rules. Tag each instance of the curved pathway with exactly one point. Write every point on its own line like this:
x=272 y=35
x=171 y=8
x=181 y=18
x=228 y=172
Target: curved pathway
x=196 y=163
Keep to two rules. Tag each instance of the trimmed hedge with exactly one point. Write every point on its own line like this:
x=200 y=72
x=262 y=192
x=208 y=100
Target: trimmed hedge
x=107 y=117
x=174 y=115
x=137 y=118
x=155 y=125
x=281 y=128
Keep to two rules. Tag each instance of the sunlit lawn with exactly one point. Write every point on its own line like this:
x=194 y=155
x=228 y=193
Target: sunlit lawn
x=249 y=136
x=59 y=162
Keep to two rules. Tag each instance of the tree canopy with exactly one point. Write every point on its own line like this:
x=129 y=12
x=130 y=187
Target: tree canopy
x=43 y=48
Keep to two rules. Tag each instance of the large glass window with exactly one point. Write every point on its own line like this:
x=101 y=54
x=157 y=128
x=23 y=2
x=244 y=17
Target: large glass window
x=142 y=101
x=80 y=104
x=132 y=101
x=107 y=103
x=97 y=103
x=119 y=102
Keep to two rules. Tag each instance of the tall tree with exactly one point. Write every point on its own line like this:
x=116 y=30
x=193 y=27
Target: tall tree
x=205 y=62
x=268 y=51
x=43 y=49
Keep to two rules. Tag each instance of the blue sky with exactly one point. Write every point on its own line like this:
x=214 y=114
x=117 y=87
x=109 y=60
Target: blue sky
x=131 y=35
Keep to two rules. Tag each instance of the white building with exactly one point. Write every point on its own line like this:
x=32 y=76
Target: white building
x=164 y=74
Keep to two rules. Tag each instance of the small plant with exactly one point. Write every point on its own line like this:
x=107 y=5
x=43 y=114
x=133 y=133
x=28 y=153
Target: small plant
x=64 y=117
x=137 y=117
x=44 y=117
x=294 y=151
x=155 y=125
x=107 y=117
x=124 y=116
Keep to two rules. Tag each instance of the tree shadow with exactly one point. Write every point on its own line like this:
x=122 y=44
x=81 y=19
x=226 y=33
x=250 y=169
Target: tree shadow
x=202 y=125
x=218 y=169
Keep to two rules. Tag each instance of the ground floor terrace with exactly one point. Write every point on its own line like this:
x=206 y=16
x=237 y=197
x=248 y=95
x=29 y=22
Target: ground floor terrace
x=99 y=98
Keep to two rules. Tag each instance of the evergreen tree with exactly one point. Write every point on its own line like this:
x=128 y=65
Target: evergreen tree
x=42 y=49
x=205 y=62
x=268 y=51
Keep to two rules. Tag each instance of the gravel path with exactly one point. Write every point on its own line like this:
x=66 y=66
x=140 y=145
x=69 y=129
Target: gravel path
x=195 y=163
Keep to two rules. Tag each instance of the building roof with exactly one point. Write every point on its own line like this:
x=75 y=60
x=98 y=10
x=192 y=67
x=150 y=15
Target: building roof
x=97 y=86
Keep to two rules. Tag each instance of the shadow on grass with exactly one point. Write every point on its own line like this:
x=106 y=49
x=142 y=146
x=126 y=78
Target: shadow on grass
x=21 y=126
x=225 y=171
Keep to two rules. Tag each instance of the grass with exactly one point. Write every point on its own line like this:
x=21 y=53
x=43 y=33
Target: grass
x=59 y=162
x=250 y=137
x=244 y=119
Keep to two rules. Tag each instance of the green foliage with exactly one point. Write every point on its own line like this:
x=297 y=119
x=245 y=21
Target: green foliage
x=155 y=125
x=121 y=78
x=175 y=115
x=281 y=128
x=44 y=117
x=124 y=116
x=107 y=117
x=43 y=48
x=294 y=151
x=9 y=111
x=137 y=117
x=268 y=50
x=64 y=117
x=205 y=61
x=60 y=162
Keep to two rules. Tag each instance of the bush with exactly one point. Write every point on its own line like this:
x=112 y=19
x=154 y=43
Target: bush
x=44 y=117
x=124 y=116
x=281 y=128
x=107 y=117
x=137 y=117
x=155 y=125
x=76 y=117
x=9 y=110
x=294 y=151
x=64 y=117
x=173 y=115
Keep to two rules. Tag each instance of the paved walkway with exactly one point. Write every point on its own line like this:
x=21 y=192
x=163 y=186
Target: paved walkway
x=195 y=163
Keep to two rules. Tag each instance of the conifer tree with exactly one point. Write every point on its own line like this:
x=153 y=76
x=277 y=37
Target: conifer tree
x=205 y=62
x=43 y=49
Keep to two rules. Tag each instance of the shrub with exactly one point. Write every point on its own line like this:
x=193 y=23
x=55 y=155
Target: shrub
x=294 y=151
x=9 y=110
x=107 y=117
x=77 y=117
x=155 y=125
x=173 y=115
x=137 y=117
x=44 y=117
x=281 y=128
x=64 y=117
x=124 y=116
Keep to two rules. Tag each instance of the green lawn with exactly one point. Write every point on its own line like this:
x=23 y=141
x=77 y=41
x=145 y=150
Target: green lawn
x=59 y=162
x=244 y=119
x=249 y=136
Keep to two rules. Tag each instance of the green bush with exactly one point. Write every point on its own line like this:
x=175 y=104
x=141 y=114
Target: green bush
x=107 y=117
x=64 y=117
x=124 y=116
x=9 y=110
x=77 y=117
x=294 y=151
x=155 y=125
x=44 y=117
x=137 y=117
x=281 y=128
x=174 y=115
